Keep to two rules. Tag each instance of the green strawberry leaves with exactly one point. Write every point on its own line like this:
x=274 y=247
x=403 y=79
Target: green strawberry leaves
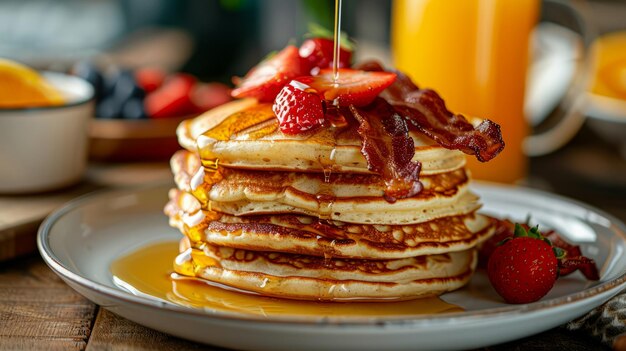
x=534 y=233
x=319 y=31
x=559 y=252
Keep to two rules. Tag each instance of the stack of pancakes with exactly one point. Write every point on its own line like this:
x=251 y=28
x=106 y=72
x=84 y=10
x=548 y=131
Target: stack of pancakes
x=302 y=217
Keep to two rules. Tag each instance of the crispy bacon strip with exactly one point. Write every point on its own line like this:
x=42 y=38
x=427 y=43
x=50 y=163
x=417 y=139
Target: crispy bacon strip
x=574 y=259
x=586 y=266
x=426 y=111
x=388 y=148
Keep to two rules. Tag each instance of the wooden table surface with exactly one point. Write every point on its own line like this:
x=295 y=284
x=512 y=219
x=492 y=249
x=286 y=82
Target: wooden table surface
x=40 y=312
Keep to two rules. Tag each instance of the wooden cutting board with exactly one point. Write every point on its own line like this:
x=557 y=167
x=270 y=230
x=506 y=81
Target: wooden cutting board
x=21 y=215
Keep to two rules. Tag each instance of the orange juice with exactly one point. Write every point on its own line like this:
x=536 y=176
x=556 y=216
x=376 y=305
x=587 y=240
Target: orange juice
x=474 y=53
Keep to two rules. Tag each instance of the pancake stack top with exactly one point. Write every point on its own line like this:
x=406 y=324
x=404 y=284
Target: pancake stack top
x=329 y=187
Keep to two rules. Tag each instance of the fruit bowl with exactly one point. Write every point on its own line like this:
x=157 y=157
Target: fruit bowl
x=137 y=111
x=45 y=148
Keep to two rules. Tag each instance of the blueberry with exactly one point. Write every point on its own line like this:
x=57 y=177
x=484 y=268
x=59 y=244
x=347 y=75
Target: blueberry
x=109 y=108
x=133 y=109
x=119 y=88
x=126 y=87
x=89 y=72
x=110 y=81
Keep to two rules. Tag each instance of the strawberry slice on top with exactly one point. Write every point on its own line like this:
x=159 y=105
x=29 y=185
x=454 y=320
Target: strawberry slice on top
x=265 y=80
x=353 y=87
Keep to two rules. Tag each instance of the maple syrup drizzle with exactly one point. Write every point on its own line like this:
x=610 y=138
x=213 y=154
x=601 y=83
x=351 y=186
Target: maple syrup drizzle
x=148 y=271
x=326 y=197
x=337 y=41
x=235 y=123
x=239 y=121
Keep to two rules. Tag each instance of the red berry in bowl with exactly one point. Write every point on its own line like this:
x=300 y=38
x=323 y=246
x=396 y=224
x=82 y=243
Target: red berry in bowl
x=172 y=99
x=150 y=78
x=206 y=96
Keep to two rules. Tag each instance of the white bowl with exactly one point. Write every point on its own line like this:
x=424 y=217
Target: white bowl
x=45 y=148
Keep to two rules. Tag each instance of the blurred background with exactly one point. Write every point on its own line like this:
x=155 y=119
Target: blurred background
x=212 y=39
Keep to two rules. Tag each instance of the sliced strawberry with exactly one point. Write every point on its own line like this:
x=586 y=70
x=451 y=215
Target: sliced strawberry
x=319 y=52
x=298 y=108
x=354 y=87
x=266 y=79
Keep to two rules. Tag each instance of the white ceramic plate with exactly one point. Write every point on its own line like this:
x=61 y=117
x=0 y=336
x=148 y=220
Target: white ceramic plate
x=80 y=241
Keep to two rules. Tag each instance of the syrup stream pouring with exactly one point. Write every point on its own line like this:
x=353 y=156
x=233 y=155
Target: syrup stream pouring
x=337 y=41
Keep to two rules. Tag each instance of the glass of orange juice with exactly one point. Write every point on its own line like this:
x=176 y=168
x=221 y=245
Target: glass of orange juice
x=475 y=53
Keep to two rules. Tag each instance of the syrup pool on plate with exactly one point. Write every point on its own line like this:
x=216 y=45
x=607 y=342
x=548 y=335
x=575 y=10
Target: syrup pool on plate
x=148 y=271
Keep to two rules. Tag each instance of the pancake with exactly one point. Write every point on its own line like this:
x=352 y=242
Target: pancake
x=311 y=236
x=245 y=134
x=355 y=198
x=302 y=216
x=190 y=175
x=317 y=278
x=354 y=210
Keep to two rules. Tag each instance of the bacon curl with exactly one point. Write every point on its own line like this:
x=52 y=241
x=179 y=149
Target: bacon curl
x=574 y=259
x=388 y=148
x=426 y=111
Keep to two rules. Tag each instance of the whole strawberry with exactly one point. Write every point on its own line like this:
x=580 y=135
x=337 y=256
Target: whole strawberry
x=298 y=108
x=524 y=268
x=319 y=52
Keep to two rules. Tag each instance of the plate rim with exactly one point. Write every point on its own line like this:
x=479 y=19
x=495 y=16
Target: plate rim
x=608 y=287
x=605 y=108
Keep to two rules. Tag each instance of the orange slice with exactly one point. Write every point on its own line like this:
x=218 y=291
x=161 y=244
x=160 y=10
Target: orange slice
x=610 y=65
x=614 y=76
x=21 y=86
